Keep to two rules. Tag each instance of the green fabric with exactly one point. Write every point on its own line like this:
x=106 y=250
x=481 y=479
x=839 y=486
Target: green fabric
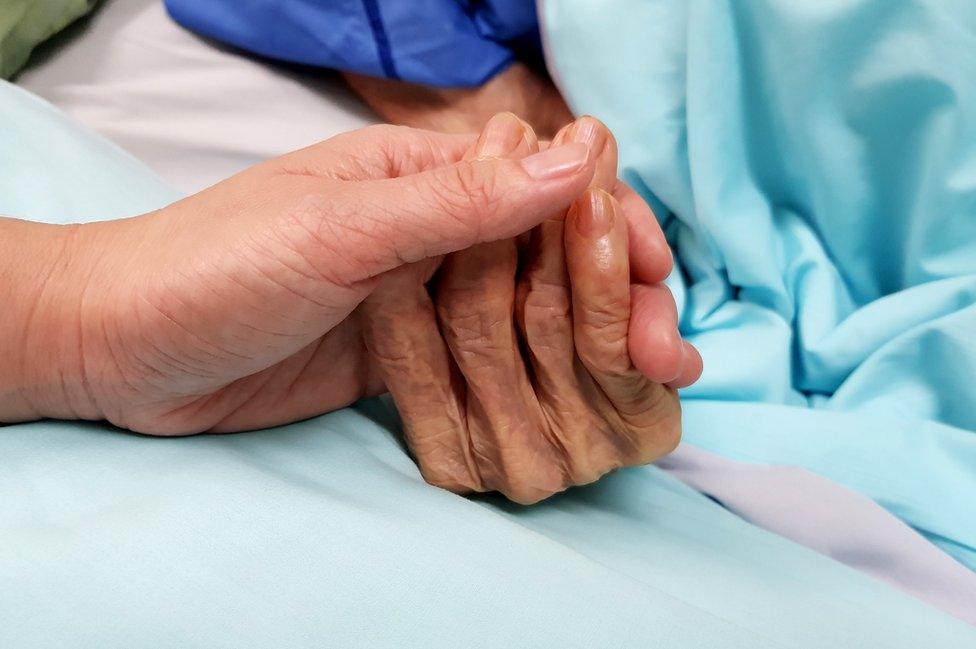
x=24 y=24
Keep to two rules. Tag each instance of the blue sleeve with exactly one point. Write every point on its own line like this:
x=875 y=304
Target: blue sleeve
x=450 y=43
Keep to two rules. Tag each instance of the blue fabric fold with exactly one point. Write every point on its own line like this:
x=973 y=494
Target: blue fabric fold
x=450 y=43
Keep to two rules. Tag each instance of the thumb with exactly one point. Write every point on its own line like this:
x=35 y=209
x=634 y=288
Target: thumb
x=453 y=207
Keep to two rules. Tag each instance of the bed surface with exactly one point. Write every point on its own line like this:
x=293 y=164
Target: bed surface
x=196 y=112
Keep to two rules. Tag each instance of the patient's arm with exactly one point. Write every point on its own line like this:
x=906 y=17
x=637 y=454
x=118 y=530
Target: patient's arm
x=517 y=89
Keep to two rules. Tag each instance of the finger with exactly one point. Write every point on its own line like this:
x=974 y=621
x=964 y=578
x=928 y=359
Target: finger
x=397 y=221
x=597 y=258
x=601 y=143
x=691 y=368
x=655 y=346
x=475 y=296
x=377 y=152
x=545 y=321
x=650 y=255
x=401 y=335
x=544 y=316
x=596 y=252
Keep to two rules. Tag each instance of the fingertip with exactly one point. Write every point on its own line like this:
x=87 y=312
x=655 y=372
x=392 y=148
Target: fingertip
x=597 y=137
x=651 y=257
x=589 y=131
x=656 y=353
x=505 y=134
x=692 y=367
x=653 y=340
x=559 y=162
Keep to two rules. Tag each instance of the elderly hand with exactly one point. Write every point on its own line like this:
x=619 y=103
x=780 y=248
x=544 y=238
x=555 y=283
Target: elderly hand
x=515 y=374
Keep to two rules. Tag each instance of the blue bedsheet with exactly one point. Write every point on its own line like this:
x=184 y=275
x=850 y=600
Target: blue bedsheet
x=814 y=164
x=322 y=533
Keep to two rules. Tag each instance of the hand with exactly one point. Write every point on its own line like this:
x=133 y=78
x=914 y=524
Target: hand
x=516 y=373
x=236 y=308
x=517 y=89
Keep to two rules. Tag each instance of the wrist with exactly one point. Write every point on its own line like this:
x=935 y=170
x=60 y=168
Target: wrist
x=45 y=279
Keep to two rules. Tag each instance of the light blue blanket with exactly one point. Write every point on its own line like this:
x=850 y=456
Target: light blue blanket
x=815 y=166
x=322 y=533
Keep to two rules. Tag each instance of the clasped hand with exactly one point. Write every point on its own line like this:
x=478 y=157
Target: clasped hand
x=507 y=294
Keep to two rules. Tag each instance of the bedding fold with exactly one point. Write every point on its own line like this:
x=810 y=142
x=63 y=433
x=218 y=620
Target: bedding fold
x=814 y=167
x=324 y=531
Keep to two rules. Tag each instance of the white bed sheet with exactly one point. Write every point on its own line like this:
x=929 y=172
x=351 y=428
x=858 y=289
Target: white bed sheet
x=192 y=110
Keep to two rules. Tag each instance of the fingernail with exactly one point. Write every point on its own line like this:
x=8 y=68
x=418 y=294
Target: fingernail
x=588 y=131
x=595 y=219
x=501 y=135
x=556 y=162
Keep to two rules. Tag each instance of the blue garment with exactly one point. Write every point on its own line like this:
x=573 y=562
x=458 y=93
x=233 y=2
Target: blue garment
x=814 y=165
x=323 y=533
x=437 y=42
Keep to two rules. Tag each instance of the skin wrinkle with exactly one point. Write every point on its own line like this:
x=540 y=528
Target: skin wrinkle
x=326 y=235
x=273 y=253
x=84 y=377
x=465 y=196
x=449 y=413
x=159 y=386
x=267 y=276
x=401 y=233
x=384 y=159
x=312 y=351
x=65 y=259
x=35 y=305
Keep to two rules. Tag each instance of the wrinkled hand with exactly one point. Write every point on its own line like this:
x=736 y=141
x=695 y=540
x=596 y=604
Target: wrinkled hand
x=534 y=367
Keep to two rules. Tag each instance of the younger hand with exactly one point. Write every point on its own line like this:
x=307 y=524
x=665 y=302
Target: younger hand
x=235 y=308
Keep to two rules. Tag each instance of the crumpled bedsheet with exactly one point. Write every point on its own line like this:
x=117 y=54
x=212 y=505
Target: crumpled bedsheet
x=814 y=166
x=323 y=532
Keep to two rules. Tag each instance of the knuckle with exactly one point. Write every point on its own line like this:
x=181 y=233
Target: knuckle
x=441 y=465
x=478 y=337
x=603 y=349
x=663 y=434
x=527 y=494
x=548 y=299
x=530 y=487
x=455 y=484
x=545 y=315
x=606 y=311
x=465 y=191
